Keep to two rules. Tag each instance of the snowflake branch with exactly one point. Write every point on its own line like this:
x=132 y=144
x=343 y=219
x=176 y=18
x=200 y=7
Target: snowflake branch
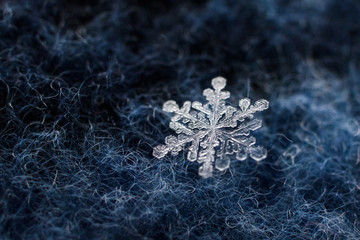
x=245 y=128
x=198 y=106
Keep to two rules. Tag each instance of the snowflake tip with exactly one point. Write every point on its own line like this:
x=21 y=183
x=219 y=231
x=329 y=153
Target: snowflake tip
x=222 y=164
x=218 y=83
x=244 y=104
x=206 y=170
x=261 y=104
x=170 y=106
x=258 y=153
x=160 y=151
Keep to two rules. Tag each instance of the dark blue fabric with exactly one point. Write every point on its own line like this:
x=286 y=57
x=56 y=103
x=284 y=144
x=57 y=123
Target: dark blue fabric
x=81 y=89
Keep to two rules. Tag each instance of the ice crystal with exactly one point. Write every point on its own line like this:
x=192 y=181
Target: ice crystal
x=216 y=131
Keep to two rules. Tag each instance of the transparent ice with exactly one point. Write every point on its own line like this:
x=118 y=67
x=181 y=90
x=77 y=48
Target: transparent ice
x=216 y=131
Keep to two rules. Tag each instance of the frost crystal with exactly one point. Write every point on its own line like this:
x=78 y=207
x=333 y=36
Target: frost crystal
x=216 y=131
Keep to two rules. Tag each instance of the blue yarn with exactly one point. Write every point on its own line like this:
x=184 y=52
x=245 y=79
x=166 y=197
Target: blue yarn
x=81 y=89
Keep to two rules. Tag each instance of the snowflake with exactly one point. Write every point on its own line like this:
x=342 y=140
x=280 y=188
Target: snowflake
x=216 y=131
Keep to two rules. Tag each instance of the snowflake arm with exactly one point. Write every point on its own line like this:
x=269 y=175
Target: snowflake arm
x=208 y=128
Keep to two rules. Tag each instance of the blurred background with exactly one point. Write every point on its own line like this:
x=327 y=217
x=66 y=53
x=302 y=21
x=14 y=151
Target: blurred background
x=82 y=85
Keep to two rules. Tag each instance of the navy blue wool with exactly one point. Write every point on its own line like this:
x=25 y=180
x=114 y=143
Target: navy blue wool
x=82 y=84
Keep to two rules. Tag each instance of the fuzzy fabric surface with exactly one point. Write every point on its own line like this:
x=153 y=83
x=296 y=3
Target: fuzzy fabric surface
x=82 y=85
